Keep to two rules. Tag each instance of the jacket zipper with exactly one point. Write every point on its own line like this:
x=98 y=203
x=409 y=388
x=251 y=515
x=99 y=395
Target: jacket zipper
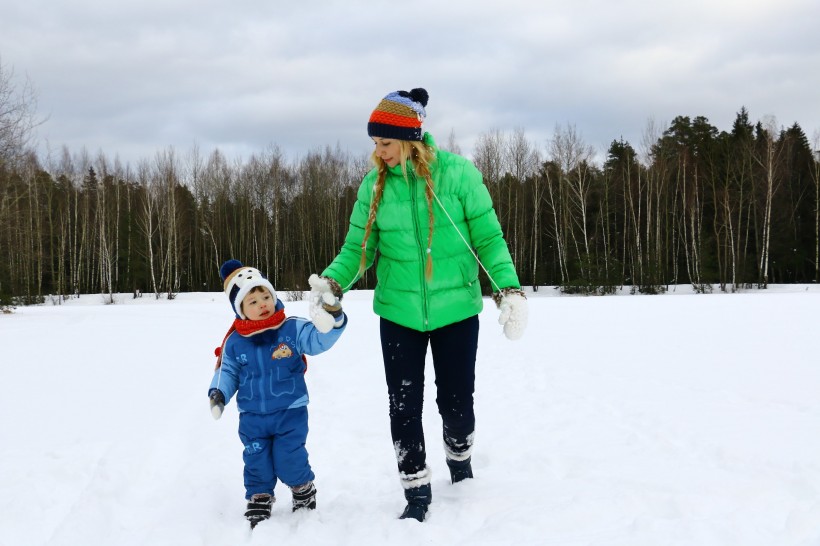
x=422 y=250
x=262 y=377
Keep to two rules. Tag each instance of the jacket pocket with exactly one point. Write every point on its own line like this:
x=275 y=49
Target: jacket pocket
x=281 y=381
x=469 y=271
x=245 y=388
x=382 y=280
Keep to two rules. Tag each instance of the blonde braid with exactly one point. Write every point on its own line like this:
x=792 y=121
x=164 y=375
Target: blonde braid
x=422 y=156
x=378 y=190
x=428 y=191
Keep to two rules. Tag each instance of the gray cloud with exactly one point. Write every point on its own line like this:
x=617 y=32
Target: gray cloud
x=132 y=78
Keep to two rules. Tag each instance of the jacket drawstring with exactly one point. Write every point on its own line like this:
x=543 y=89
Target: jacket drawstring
x=470 y=248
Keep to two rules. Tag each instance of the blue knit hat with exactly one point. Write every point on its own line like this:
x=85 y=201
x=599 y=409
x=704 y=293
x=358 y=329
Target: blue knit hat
x=238 y=281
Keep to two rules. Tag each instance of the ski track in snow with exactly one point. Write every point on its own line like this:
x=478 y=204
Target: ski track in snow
x=679 y=419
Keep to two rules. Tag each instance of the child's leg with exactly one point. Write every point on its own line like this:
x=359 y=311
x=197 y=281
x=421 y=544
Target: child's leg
x=290 y=456
x=259 y=472
x=304 y=496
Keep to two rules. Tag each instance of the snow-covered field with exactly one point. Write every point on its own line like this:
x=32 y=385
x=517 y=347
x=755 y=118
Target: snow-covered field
x=617 y=420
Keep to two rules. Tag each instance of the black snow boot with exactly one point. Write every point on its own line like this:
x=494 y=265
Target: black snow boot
x=259 y=508
x=418 y=500
x=460 y=470
x=304 y=496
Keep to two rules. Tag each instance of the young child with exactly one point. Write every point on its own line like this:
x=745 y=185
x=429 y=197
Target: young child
x=262 y=362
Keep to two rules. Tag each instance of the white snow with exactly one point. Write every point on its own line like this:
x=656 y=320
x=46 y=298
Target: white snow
x=617 y=420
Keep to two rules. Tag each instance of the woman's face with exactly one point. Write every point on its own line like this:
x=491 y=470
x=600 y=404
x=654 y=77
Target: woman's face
x=388 y=150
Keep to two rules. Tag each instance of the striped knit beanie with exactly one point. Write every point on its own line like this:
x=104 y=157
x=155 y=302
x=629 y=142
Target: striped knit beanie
x=238 y=280
x=399 y=115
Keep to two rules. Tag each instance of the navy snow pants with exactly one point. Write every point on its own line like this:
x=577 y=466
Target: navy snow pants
x=454 y=354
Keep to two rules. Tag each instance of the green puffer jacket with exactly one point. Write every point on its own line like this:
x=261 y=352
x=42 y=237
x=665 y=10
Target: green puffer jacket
x=399 y=234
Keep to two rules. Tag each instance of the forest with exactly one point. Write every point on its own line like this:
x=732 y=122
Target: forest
x=693 y=204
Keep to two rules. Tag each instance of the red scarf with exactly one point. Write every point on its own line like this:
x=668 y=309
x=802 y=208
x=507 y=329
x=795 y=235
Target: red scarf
x=248 y=328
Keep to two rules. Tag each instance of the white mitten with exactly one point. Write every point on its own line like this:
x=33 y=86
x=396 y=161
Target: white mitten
x=325 y=305
x=513 y=306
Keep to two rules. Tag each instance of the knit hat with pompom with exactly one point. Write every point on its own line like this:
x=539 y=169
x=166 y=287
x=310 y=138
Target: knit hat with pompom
x=238 y=280
x=399 y=115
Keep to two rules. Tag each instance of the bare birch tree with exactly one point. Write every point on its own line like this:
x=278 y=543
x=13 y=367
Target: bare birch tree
x=488 y=157
x=452 y=144
x=166 y=171
x=521 y=159
x=18 y=116
x=573 y=157
x=769 y=161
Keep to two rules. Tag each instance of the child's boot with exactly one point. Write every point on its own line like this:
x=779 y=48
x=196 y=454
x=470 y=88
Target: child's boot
x=304 y=496
x=460 y=470
x=418 y=500
x=259 y=507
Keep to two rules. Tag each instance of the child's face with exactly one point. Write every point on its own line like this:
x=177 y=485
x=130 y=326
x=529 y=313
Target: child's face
x=258 y=304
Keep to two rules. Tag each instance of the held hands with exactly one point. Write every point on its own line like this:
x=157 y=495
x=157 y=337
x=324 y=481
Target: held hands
x=217 y=400
x=325 y=303
x=513 y=306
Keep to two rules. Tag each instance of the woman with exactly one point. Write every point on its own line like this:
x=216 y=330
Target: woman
x=431 y=219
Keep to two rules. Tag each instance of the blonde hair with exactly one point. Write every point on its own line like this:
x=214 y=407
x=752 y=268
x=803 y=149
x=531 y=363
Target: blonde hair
x=422 y=156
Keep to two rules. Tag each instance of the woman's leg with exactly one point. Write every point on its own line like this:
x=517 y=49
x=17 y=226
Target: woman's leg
x=404 y=351
x=454 y=354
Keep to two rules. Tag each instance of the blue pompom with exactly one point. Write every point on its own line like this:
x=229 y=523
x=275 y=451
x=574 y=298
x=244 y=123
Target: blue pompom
x=229 y=267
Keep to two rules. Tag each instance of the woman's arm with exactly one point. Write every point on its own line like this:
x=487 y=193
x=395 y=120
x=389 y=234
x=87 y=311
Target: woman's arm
x=344 y=269
x=485 y=230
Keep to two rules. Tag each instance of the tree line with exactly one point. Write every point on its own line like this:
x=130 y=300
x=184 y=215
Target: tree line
x=733 y=208
x=696 y=205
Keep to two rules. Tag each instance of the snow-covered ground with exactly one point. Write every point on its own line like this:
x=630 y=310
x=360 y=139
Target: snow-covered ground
x=618 y=420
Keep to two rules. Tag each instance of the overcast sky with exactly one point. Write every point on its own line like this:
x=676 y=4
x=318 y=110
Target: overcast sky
x=132 y=78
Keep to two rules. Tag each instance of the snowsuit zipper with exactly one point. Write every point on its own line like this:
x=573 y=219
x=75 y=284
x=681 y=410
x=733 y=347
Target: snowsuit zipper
x=259 y=358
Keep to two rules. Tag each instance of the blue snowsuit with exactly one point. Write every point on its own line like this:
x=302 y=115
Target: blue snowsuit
x=267 y=373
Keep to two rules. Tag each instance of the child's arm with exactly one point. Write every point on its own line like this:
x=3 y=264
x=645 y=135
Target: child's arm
x=223 y=385
x=311 y=341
